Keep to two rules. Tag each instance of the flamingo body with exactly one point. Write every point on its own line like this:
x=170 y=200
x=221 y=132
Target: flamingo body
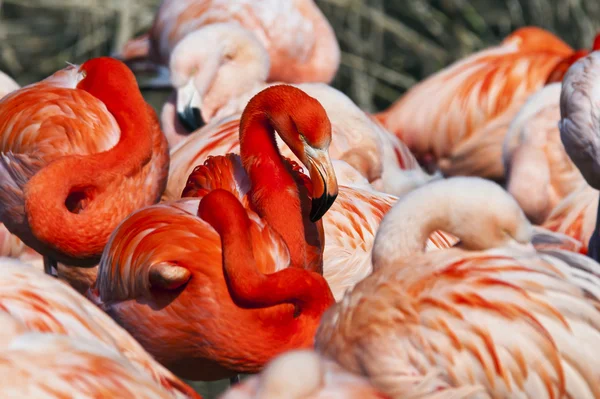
x=460 y=115
x=300 y=42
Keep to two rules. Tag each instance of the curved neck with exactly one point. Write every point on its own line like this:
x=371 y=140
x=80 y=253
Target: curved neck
x=71 y=192
x=275 y=194
x=306 y=290
x=405 y=229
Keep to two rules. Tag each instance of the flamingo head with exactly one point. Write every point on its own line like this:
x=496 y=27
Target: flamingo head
x=213 y=65
x=304 y=126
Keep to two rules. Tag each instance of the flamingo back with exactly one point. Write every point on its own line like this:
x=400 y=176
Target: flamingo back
x=508 y=323
x=40 y=303
x=300 y=41
x=45 y=365
x=460 y=115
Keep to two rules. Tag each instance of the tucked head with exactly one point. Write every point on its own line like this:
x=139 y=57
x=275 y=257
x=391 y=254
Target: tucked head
x=303 y=125
x=213 y=65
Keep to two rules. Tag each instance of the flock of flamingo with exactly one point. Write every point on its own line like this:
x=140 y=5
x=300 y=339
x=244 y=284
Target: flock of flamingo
x=264 y=224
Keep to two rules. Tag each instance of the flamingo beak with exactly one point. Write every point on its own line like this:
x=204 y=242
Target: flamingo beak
x=188 y=107
x=325 y=187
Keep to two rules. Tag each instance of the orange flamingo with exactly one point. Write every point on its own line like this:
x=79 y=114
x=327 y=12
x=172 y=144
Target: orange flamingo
x=303 y=374
x=300 y=42
x=459 y=116
x=496 y=319
x=80 y=150
x=208 y=308
x=61 y=324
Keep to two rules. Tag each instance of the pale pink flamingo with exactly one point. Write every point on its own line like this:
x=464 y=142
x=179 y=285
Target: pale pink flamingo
x=32 y=302
x=539 y=172
x=496 y=319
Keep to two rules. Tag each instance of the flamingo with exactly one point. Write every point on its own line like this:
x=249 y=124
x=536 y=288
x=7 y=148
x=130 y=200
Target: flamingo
x=11 y=245
x=211 y=287
x=80 y=150
x=303 y=374
x=495 y=319
x=300 y=42
x=578 y=128
x=539 y=172
x=460 y=115
x=36 y=306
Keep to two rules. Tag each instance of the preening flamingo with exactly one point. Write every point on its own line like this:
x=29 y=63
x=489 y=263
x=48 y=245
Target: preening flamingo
x=539 y=172
x=210 y=308
x=303 y=374
x=80 y=150
x=379 y=156
x=579 y=126
x=86 y=339
x=300 y=42
x=459 y=116
x=502 y=322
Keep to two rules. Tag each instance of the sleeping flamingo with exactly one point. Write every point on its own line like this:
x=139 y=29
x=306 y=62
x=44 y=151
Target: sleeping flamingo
x=212 y=287
x=497 y=316
x=298 y=38
x=459 y=116
x=303 y=374
x=58 y=319
x=80 y=150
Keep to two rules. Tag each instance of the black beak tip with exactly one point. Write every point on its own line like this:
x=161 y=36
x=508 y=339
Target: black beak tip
x=320 y=206
x=191 y=119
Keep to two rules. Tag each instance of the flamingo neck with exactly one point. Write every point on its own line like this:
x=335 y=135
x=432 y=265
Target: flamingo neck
x=274 y=193
x=306 y=290
x=74 y=191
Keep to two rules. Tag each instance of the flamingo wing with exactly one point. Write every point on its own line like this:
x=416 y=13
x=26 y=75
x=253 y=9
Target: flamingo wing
x=40 y=303
x=460 y=114
x=513 y=325
x=44 y=365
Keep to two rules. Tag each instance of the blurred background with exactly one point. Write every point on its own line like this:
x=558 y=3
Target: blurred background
x=387 y=45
